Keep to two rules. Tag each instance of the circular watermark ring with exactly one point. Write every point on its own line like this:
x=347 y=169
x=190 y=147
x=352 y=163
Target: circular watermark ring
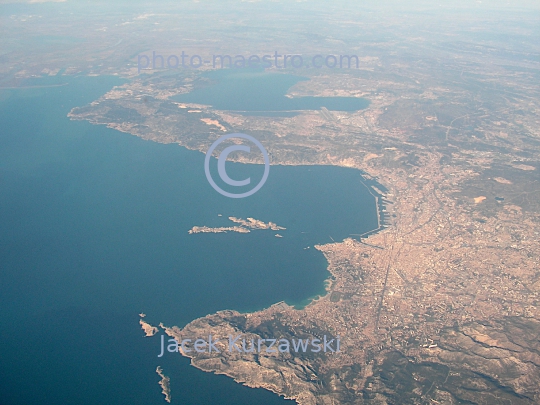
x=221 y=166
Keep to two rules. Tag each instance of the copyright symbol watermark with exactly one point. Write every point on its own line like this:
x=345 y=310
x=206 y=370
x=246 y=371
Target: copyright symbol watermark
x=221 y=165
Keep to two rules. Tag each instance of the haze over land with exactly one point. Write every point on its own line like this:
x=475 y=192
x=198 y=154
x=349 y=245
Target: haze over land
x=442 y=304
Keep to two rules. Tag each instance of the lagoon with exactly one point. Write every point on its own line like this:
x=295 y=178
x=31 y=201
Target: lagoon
x=256 y=92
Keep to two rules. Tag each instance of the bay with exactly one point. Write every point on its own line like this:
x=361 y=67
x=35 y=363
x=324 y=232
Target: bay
x=94 y=229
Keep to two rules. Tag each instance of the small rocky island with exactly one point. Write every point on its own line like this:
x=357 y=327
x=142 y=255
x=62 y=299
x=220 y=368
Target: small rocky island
x=245 y=226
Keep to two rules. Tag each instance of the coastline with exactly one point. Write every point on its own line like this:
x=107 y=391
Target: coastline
x=302 y=393
x=395 y=290
x=305 y=397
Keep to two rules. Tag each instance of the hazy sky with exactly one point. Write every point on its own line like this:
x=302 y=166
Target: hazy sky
x=394 y=3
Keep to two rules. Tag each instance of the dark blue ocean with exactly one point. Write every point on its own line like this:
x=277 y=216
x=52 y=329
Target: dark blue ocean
x=94 y=230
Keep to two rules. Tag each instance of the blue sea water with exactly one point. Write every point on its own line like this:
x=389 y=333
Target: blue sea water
x=94 y=229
